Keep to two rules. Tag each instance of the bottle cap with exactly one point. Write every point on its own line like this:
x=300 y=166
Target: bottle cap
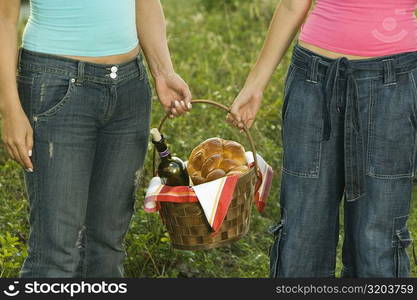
x=156 y=135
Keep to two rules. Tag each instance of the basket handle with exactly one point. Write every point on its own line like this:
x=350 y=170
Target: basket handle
x=227 y=109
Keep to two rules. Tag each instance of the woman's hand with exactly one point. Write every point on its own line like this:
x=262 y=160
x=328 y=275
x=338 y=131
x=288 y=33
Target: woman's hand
x=174 y=94
x=244 y=108
x=287 y=19
x=17 y=136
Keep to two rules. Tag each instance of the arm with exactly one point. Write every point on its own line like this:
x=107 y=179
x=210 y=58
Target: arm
x=16 y=129
x=172 y=91
x=288 y=17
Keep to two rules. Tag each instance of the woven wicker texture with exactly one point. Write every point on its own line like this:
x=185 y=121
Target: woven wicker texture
x=189 y=230
x=186 y=223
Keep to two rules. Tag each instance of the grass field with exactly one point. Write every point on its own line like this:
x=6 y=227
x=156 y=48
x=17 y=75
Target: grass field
x=213 y=46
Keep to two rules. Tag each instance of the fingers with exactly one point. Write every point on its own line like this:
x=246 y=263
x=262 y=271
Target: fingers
x=240 y=116
x=176 y=108
x=188 y=98
x=240 y=119
x=179 y=107
x=24 y=157
x=182 y=106
x=28 y=149
x=235 y=120
x=21 y=151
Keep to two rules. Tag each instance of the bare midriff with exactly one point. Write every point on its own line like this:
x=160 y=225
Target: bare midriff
x=110 y=60
x=328 y=53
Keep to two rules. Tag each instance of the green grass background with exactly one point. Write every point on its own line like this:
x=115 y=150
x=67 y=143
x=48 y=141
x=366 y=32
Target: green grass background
x=213 y=45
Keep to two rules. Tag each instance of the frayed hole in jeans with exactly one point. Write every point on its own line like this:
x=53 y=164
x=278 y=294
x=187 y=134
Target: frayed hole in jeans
x=137 y=181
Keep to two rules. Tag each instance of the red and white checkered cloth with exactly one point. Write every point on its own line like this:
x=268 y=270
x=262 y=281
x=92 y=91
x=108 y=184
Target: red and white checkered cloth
x=214 y=196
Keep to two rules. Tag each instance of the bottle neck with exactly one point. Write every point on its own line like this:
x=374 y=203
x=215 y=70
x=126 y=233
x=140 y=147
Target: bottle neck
x=164 y=154
x=162 y=149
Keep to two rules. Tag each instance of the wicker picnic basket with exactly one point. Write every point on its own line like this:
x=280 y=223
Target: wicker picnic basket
x=186 y=223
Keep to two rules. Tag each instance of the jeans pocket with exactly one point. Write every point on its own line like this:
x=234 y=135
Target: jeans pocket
x=302 y=125
x=50 y=94
x=275 y=250
x=400 y=241
x=392 y=129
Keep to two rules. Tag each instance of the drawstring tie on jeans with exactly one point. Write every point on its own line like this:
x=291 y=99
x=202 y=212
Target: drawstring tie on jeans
x=353 y=140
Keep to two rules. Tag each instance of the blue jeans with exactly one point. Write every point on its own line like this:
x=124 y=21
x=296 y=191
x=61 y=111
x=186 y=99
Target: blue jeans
x=349 y=132
x=91 y=125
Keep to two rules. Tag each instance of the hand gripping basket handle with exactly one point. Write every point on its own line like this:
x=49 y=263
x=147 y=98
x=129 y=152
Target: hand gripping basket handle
x=221 y=106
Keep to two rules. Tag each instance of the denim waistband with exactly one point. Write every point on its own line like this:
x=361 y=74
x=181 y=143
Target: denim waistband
x=384 y=66
x=329 y=71
x=78 y=69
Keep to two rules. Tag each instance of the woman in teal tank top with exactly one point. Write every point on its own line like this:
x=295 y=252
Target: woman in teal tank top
x=76 y=116
x=82 y=28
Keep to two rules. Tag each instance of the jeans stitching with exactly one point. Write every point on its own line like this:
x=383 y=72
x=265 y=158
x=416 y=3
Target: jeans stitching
x=279 y=237
x=317 y=157
x=372 y=140
x=370 y=126
x=96 y=79
x=350 y=158
x=414 y=122
x=361 y=142
x=141 y=68
x=149 y=89
x=414 y=92
x=397 y=244
x=316 y=149
x=37 y=201
x=301 y=174
x=376 y=77
x=393 y=232
x=288 y=82
x=57 y=107
x=25 y=79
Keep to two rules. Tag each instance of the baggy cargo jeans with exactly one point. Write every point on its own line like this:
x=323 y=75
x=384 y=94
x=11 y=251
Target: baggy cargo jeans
x=91 y=127
x=349 y=132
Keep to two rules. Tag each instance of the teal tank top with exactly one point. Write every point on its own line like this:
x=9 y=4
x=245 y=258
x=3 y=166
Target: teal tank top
x=81 y=27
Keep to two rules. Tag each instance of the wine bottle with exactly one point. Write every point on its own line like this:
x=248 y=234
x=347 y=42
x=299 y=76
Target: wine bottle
x=171 y=169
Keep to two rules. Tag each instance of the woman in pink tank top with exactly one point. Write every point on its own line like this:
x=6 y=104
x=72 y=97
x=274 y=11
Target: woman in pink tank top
x=349 y=125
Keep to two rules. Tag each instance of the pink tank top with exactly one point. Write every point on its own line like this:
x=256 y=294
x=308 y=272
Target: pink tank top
x=362 y=27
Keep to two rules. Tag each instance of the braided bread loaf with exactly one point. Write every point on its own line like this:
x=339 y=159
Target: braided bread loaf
x=216 y=158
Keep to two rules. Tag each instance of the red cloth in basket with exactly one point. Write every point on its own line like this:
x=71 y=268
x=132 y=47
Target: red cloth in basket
x=214 y=196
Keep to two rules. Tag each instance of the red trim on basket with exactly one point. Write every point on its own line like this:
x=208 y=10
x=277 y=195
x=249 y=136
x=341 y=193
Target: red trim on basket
x=224 y=201
x=263 y=195
x=178 y=194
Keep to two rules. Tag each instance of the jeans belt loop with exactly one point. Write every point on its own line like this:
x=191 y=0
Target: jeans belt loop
x=80 y=72
x=313 y=69
x=389 y=72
